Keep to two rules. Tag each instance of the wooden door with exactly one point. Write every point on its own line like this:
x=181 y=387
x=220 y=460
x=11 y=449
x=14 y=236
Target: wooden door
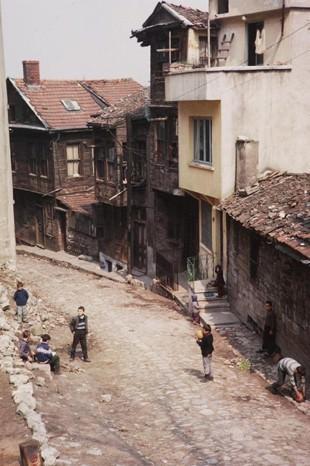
x=139 y=245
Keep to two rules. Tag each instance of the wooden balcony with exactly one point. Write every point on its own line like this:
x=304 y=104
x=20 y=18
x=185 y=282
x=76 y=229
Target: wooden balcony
x=164 y=177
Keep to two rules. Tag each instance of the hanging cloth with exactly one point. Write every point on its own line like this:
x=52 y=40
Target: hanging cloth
x=260 y=42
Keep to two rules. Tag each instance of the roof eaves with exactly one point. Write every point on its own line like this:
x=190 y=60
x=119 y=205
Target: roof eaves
x=27 y=101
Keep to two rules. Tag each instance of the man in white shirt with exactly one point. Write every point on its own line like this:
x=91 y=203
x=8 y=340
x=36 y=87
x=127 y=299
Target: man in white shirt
x=296 y=374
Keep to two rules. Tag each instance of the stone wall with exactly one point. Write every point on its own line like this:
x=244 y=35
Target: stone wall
x=275 y=276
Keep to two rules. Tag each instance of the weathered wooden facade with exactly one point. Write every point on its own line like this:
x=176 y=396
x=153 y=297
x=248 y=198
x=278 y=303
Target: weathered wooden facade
x=171 y=214
x=53 y=157
x=111 y=174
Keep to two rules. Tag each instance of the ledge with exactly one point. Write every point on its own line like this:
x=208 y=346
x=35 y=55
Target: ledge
x=203 y=166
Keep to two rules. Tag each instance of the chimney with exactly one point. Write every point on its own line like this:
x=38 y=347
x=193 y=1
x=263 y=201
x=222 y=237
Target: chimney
x=31 y=72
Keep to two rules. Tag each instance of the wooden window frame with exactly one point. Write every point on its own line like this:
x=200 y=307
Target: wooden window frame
x=72 y=162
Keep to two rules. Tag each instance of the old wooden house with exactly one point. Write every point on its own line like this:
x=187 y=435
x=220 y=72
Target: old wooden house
x=170 y=32
x=111 y=178
x=52 y=150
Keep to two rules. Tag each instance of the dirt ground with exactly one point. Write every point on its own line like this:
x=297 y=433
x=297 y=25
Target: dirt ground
x=13 y=429
x=143 y=400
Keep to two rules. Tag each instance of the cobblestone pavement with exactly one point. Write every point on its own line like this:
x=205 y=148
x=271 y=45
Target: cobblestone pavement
x=161 y=411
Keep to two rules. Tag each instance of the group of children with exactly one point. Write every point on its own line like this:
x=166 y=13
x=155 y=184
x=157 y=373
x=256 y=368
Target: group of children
x=286 y=367
x=43 y=353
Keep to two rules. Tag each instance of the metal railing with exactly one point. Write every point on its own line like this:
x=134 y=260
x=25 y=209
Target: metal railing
x=200 y=267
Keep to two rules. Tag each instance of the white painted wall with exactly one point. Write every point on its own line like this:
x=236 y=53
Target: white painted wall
x=246 y=7
x=7 y=234
x=268 y=104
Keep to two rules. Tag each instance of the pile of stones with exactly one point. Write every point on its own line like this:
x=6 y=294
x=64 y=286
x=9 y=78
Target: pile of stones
x=21 y=375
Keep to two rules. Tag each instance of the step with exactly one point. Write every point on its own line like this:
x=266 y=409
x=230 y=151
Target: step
x=214 y=306
x=201 y=285
x=222 y=318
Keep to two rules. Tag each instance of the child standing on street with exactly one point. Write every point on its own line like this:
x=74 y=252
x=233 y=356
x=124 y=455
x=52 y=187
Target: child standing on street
x=21 y=298
x=79 y=328
x=205 y=341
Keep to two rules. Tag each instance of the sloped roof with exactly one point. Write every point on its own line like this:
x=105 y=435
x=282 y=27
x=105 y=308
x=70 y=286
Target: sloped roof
x=188 y=16
x=127 y=105
x=111 y=90
x=45 y=99
x=79 y=202
x=278 y=209
x=196 y=17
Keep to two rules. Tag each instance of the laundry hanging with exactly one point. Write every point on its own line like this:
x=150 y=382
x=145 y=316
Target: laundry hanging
x=260 y=42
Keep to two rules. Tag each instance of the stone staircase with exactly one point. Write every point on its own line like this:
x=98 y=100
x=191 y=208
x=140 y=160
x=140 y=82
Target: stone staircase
x=213 y=309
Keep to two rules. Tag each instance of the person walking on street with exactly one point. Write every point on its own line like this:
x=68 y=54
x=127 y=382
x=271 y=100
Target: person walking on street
x=205 y=341
x=296 y=374
x=79 y=328
x=45 y=355
x=269 y=332
x=21 y=297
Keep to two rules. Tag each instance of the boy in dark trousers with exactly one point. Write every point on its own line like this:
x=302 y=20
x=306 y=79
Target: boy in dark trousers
x=79 y=328
x=206 y=346
x=21 y=298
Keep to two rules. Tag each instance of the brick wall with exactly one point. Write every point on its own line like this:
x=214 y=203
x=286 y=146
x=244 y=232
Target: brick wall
x=281 y=279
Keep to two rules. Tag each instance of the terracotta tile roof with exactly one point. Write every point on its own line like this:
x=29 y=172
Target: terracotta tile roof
x=198 y=18
x=112 y=90
x=127 y=105
x=46 y=100
x=278 y=209
x=79 y=202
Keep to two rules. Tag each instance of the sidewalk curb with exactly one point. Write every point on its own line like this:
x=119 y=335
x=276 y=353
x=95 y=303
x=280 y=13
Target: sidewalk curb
x=80 y=268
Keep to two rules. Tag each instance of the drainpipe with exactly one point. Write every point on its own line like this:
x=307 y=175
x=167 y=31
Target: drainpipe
x=209 y=37
x=282 y=19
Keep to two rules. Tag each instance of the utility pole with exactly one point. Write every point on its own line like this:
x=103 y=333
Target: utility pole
x=209 y=35
x=7 y=231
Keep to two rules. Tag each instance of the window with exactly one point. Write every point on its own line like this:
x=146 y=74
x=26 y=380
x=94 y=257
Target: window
x=33 y=163
x=203 y=50
x=13 y=157
x=206 y=224
x=73 y=160
x=42 y=160
x=161 y=140
x=100 y=162
x=254 y=255
x=223 y=6
x=203 y=140
x=71 y=105
x=12 y=113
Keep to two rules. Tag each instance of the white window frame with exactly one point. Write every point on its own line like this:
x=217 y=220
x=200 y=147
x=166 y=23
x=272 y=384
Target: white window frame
x=202 y=138
x=73 y=160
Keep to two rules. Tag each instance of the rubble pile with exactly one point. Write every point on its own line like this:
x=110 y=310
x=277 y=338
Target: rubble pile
x=21 y=375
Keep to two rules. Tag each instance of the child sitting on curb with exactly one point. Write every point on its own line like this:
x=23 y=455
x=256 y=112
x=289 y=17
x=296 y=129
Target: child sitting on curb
x=24 y=347
x=45 y=355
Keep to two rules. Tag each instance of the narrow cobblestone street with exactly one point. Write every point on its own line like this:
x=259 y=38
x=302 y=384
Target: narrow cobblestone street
x=160 y=412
